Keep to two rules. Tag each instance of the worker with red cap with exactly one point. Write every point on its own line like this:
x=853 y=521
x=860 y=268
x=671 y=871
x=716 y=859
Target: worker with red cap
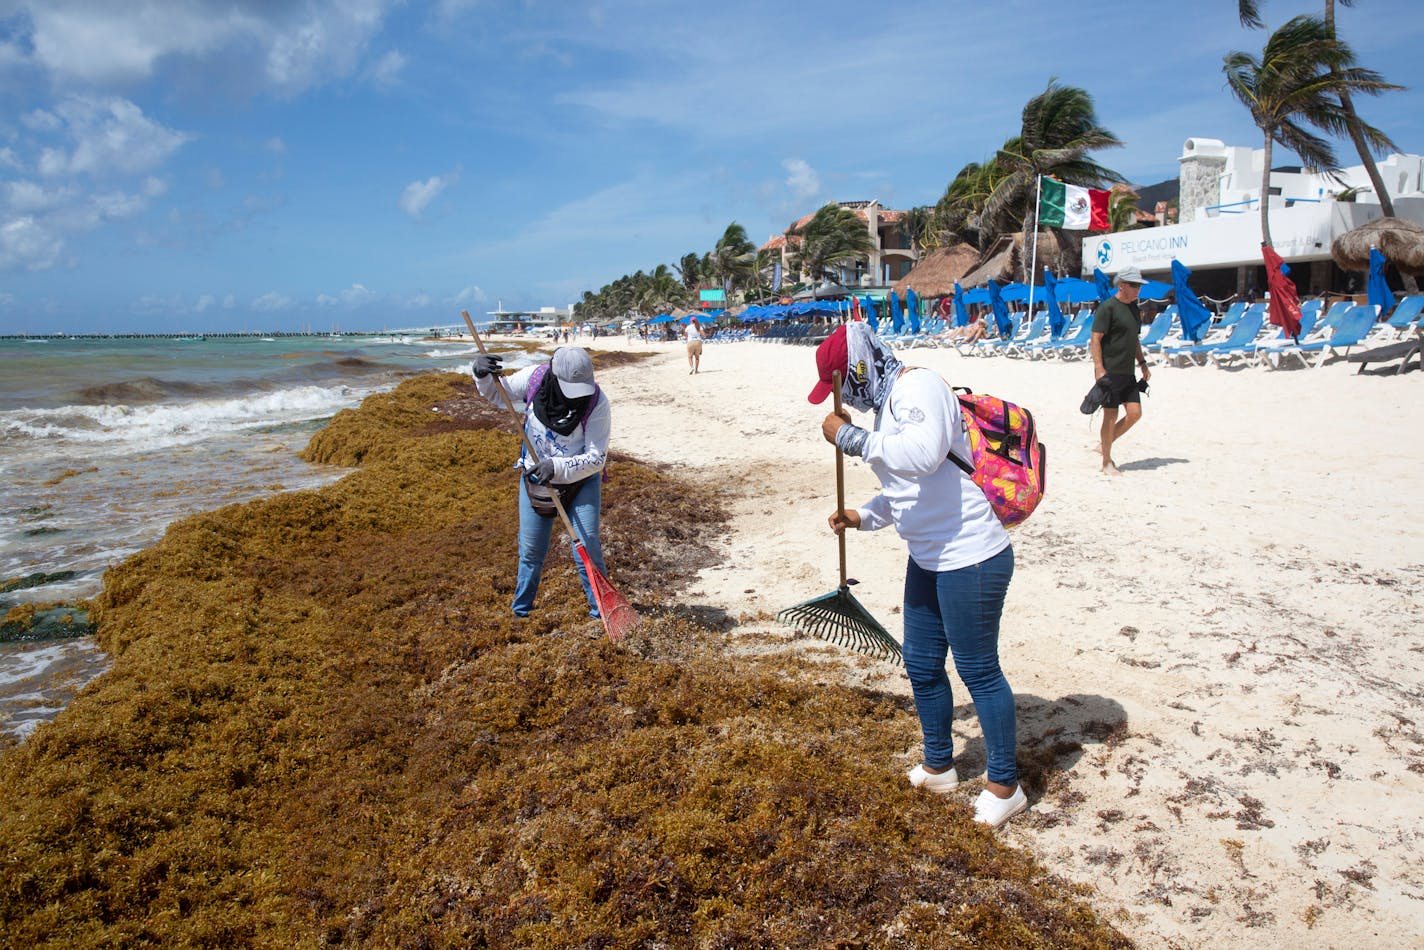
x=960 y=559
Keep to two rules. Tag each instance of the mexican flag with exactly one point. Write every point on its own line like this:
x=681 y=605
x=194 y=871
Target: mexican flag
x=1072 y=207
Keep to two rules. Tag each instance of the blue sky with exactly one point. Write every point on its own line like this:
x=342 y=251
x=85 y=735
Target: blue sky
x=278 y=164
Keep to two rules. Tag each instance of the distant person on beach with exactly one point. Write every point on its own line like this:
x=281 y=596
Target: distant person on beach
x=694 y=346
x=1116 y=352
x=567 y=419
x=960 y=559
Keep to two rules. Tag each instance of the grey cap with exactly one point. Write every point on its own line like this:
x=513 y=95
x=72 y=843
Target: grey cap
x=574 y=369
x=1130 y=275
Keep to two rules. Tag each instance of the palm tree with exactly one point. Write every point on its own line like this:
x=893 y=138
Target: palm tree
x=958 y=213
x=835 y=236
x=1059 y=130
x=915 y=225
x=1122 y=210
x=689 y=270
x=1366 y=139
x=730 y=261
x=1297 y=80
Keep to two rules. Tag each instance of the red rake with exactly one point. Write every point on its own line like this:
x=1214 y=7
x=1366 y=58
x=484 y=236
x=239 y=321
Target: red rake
x=617 y=614
x=838 y=616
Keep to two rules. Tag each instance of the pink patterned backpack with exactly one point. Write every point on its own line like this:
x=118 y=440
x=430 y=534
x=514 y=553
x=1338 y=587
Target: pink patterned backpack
x=1009 y=462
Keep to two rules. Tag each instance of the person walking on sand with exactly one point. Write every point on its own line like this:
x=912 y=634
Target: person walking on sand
x=694 y=346
x=960 y=559
x=1115 y=348
x=567 y=419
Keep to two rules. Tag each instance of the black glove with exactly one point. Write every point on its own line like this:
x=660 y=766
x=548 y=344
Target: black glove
x=541 y=473
x=486 y=365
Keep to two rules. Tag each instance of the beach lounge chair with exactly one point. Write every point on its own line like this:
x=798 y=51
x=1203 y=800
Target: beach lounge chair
x=1404 y=317
x=1070 y=331
x=1037 y=330
x=1351 y=330
x=1241 y=344
x=1158 y=329
x=1309 y=317
x=1072 y=347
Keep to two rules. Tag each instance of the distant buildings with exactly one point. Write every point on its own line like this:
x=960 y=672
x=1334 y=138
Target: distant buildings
x=893 y=257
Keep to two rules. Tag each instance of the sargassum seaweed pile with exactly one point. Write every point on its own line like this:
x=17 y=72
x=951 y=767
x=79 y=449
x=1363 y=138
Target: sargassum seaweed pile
x=324 y=727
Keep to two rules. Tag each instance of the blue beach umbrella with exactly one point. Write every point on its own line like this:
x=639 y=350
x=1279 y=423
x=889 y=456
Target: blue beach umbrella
x=912 y=310
x=1377 y=288
x=1002 y=320
x=1104 y=282
x=1013 y=292
x=1055 y=316
x=977 y=295
x=1154 y=290
x=1076 y=290
x=961 y=316
x=1193 y=314
x=897 y=312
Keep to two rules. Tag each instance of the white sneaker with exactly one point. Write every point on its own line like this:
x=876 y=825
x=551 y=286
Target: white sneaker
x=990 y=809
x=941 y=784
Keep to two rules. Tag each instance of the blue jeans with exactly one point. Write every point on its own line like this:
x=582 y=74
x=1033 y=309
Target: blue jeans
x=958 y=612
x=535 y=532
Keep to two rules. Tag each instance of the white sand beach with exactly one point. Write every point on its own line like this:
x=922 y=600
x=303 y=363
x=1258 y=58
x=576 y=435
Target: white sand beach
x=1231 y=630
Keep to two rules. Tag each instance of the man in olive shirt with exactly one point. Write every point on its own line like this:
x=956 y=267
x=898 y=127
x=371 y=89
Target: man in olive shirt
x=1115 y=349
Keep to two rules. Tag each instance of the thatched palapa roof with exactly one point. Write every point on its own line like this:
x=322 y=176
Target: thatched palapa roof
x=1007 y=260
x=936 y=272
x=1400 y=240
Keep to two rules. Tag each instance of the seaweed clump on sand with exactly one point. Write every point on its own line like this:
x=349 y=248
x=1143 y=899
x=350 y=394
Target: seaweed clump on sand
x=323 y=726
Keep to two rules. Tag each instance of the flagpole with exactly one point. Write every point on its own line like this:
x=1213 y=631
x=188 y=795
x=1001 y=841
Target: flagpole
x=1033 y=259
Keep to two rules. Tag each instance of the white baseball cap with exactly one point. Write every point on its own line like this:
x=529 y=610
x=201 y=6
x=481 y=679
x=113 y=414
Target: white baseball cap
x=573 y=367
x=1130 y=275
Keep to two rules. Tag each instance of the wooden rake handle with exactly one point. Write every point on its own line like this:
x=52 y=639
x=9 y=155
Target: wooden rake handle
x=529 y=446
x=840 y=477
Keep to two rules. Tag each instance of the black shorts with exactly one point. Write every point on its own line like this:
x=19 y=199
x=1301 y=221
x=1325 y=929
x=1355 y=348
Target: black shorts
x=1122 y=388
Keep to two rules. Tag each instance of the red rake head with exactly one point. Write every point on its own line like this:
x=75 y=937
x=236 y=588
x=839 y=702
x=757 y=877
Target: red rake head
x=618 y=615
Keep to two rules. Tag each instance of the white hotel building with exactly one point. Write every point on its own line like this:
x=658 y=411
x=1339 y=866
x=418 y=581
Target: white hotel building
x=1218 y=234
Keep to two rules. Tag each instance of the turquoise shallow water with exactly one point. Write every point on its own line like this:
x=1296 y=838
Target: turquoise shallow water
x=104 y=443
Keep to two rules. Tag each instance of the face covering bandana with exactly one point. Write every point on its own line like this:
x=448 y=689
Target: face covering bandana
x=871 y=371
x=557 y=412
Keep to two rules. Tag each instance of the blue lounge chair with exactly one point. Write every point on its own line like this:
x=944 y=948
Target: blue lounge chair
x=1038 y=330
x=1243 y=334
x=1405 y=316
x=1160 y=326
x=1350 y=332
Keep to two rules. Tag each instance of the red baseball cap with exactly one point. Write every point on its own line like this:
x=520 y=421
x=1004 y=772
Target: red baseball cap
x=831 y=356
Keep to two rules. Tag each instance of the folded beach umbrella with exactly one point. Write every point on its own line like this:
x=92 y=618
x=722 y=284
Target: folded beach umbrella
x=896 y=313
x=912 y=309
x=1002 y=320
x=961 y=316
x=1377 y=287
x=1285 y=303
x=1055 y=316
x=1193 y=314
x=1104 y=282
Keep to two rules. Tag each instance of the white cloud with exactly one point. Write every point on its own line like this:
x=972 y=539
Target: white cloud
x=388 y=68
x=8 y=159
x=418 y=194
x=204 y=302
x=275 y=145
x=270 y=302
x=293 y=46
x=354 y=296
x=801 y=178
x=110 y=136
x=470 y=295
x=27 y=197
x=25 y=244
x=420 y=301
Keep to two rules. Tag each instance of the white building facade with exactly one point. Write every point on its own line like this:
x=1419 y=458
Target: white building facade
x=1220 y=224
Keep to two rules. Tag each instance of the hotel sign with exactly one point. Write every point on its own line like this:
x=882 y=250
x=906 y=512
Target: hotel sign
x=1300 y=233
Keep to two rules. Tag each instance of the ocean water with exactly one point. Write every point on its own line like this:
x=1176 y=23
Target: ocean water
x=105 y=442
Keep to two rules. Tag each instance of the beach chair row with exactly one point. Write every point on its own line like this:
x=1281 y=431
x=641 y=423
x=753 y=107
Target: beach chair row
x=1245 y=335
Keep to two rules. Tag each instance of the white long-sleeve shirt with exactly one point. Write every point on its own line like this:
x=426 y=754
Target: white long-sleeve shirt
x=581 y=453
x=943 y=516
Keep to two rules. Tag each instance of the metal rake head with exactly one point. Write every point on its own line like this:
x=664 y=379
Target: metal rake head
x=839 y=618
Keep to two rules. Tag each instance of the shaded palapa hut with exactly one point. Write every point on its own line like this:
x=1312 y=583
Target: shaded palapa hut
x=1007 y=260
x=936 y=272
x=1400 y=240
